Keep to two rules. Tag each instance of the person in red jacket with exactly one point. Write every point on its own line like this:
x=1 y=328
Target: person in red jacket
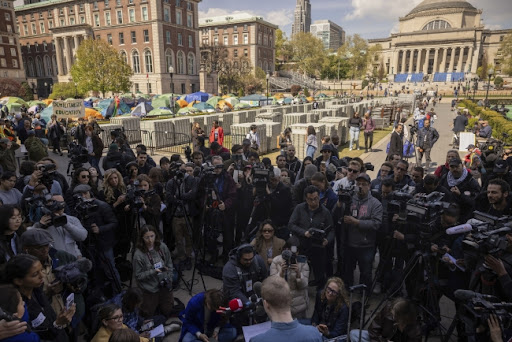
x=217 y=133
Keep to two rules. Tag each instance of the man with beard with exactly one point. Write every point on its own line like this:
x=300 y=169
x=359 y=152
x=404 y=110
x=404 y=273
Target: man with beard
x=498 y=196
x=463 y=187
x=292 y=163
x=400 y=176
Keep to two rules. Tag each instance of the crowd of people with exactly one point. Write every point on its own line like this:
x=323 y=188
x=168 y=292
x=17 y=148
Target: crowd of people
x=102 y=254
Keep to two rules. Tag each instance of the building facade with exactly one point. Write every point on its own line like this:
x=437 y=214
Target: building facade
x=10 y=53
x=150 y=35
x=302 y=17
x=439 y=41
x=243 y=36
x=331 y=34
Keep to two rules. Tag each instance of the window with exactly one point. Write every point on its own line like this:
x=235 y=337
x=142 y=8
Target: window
x=45 y=46
x=96 y=20
x=437 y=25
x=136 y=62
x=134 y=37
x=190 y=41
x=118 y=3
x=246 y=53
x=190 y=6
x=14 y=63
x=82 y=19
x=150 y=88
x=70 y=10
x=124 y=57
x=34 y=31
x=107 y=3
x=225 y=40
x=130 y=2
x=168 y=37
x=108 y=22
x=168 y=59
x=50 y=23
x=235 y=53
x=148 y=60
x=180 y=39
x=48 y=66
x=167 y=14
x=109 y=38
x=144 y=13
x=62 y=22
x=95 y=5
x=98 y=37
x=13 y=52
x=72 y=21
x=215 y=30
x=7 y=16
x=246 y=27
x=3 y=62
x=235 y=28
x=2 y=51
x=146 y=36
x=137 y=89
x=131 y=15
x=178 y=3
x=119 y=17
x=121 y=38
x=49 y=13
x=12 y=41
x=215 y=41
x=235 y=39
x=81 y=7
x=61 y=12
x=9 y=28
x=178 y=17
x=25 y=30
x=36 y=47
x=501 y=37
x=246 y=38
x=190 y=22
x=181 y=63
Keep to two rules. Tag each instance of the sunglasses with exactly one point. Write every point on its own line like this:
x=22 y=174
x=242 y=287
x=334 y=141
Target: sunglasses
x=352 y=170
x=267 y=230
x=85 y=176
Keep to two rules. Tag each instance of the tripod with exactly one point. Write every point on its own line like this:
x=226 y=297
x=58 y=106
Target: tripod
x=256 y=203
x=179 y=206
x=135 y=236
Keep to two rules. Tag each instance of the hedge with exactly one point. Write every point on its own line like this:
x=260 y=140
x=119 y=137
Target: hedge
x=498 y=122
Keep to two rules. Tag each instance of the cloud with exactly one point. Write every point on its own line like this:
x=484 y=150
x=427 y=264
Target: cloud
x=381 y=9
x=281 y=17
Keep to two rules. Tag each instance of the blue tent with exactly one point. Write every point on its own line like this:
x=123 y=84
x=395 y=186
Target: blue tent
x=199 y=96
x=88 y=104
x=123 y=108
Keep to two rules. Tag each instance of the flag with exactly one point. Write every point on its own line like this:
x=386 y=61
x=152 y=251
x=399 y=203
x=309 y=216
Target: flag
x=116 y=103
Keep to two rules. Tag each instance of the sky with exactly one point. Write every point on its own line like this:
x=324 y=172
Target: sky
x=368 y=18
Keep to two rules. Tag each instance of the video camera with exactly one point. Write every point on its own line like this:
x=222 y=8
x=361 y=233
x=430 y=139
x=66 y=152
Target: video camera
x=290 y=256
x=84 y=206
x=425 y=210
x=78 y=155
x=260 y=178
x=48 y=171
x=397 y=201
x=176 y=172
x=48 y=207
x=134 y=196
x=74 y=275
x=345 y=194
x=319 y=234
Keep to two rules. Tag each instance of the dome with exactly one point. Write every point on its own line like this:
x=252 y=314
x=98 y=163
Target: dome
x=427 y=5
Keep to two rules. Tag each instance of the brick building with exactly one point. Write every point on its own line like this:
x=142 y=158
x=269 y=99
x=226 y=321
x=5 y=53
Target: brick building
x=151 y=35
x=10 y=61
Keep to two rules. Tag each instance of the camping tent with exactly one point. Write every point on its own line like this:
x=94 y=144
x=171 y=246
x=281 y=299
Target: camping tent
x=256 y=100
x=142 y=109
x=199 y=96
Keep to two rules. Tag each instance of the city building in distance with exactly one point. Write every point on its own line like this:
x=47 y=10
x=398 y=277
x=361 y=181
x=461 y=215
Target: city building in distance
x=439 y=41
x=151 y=36
x=302 y=17
x=10 y=53
x=331 y=34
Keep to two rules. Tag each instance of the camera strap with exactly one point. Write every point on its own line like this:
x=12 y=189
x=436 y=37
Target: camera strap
x=151 y=258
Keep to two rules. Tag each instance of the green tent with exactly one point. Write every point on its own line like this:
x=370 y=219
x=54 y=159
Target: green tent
x=160 y=112
x=212 y=101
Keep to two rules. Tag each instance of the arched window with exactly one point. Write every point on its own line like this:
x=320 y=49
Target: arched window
x=437 y=25
x=265 y=66
x=48 y=66
x=169 y=59
x=39 y=67
x=136 y=62
x=191 y=62
x=55 y=67
x=181 y=63
x=124 y=57
x=30 y=70
x=148 y=60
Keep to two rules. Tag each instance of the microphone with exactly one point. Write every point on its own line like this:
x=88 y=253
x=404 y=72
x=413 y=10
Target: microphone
x=467 y=295
x=257 y=288
x=460 y=229
x=236 y=305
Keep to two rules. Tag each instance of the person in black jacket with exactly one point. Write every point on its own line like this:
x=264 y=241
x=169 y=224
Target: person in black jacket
x=293 y=163
x=396 y=145
x=427 y=137
x=101 y=224
x=331 y=309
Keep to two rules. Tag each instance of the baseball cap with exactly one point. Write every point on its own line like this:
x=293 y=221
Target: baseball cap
x=455 y=161
x=36 y=237
x=81 y=188
x=500 y=166
x=364 y=176
x=326 y=147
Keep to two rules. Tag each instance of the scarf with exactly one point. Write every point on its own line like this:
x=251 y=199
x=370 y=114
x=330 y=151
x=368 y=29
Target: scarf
x=454 y=182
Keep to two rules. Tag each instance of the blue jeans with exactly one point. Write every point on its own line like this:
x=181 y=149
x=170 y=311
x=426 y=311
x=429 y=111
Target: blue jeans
x=354 y=336
x=354 y=135
x=353 y=256
x=310 y=151
x=95 y=162
x=227 y=334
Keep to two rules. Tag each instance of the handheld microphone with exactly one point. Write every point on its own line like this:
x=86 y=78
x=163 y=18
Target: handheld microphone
x=257 y=288
x=467 y=295
x=236 y=305
x=460 y=229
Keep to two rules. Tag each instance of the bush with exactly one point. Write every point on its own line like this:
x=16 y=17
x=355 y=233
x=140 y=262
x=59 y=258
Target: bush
x=498 y=122
x=364 y=84
x=306 y=92
x=295 y=89
x=498 y=82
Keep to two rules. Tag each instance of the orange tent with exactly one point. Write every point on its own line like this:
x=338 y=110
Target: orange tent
x=89 y=112
x=182 y=103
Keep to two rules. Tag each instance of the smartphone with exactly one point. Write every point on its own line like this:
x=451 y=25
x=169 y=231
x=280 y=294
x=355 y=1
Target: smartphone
x=70 y=300
x=147 y=326
x=302 y=259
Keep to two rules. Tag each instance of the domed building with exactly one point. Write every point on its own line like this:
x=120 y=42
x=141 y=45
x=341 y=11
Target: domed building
x=440 y=41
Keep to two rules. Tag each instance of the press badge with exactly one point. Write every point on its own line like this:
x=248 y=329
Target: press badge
x=354 y=213
x=38 y=320
x=158 y=265
x=248 y=285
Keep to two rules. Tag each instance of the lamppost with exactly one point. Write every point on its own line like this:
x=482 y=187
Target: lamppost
x=490 y=72
x=475 y=87
x=46 y=88
x=268 y=78
x=367 y=86
x=171 y=71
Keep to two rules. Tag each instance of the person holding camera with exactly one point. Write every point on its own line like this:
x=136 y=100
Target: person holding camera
x=101 y=223
x=312 y=224
x=361 y=219
x=65 y=230
x=427 y=137
x=153 y=269
x=145 y=200
x=295 y=272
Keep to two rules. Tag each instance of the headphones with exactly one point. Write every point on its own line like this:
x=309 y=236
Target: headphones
x=244 y=249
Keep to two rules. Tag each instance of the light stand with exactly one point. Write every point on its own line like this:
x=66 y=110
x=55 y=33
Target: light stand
x=171 y=71
x=268 y=78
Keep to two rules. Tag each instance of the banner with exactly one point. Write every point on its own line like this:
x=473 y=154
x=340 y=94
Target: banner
x=69 y=109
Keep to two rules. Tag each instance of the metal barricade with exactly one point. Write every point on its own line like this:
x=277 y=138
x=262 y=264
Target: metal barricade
x=170 y=142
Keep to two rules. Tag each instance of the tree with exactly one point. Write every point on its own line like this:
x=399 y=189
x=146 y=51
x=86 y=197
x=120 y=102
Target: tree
x=482 y=70
x=10 y=87
x=356 y=52
x=308 y=53
x=295 y=89
x=251 y=84
x=506 y=55
x=498 y=82
x=25 y=92
x=334 y=67
x=381 y=73
x=260 y=73
x=66 y=90
x=284 y=50
x=99 y=67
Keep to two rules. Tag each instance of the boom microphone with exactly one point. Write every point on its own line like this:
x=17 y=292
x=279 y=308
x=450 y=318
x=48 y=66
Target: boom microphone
x=460 y=229
x=467 y=295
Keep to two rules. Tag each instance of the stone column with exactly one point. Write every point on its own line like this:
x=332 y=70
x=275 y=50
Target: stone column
x=67 y=53
x=443 y=62
x=77 y=43
x=436 y=60
x=395 y=62
x=452 y=60
x=58 y=52
x=418 y=61
x=469 y=61
x=411 y=56
x=402 y=67
x=461 y=57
